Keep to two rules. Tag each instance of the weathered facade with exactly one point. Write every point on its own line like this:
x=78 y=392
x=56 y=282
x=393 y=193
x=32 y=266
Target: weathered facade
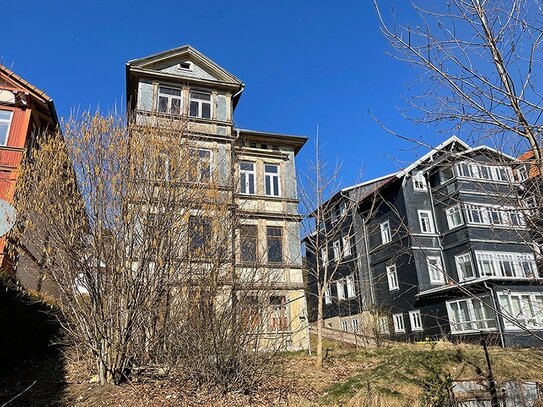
x=256 y=168
x=444 y=251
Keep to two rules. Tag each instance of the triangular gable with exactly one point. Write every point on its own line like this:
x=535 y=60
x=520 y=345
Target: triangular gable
x=11 y=79
x=447 y=146
x=185 y=62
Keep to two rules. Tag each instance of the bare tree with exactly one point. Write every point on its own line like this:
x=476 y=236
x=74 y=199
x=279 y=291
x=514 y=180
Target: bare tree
x=329 y=240
x=135 y=234
x=480 y=62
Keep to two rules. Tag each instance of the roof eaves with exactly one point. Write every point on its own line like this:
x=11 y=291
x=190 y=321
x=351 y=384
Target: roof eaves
x=439 y=147
x=371 y=181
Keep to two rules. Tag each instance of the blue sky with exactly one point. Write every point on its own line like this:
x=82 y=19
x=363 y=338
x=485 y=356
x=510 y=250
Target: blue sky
x=306 y=64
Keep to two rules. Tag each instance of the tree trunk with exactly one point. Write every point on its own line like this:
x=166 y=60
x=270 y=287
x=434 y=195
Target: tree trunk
x=320 y=324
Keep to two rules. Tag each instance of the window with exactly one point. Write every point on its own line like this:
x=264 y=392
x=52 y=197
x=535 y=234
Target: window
x=351 y=289
x=169 y=100
x=338 y=211
x=399 y=326
x=435 y=270
x=386 y=236
x=324 y=256
x=464 y=266
x=279 y=313
x=426 y=222
x=340 y=288
x=382 y=325
x=5 y=124
x=336 y=246
x=344 y=325
x=471 y=315
x=454 y=216
x=419 y=182
x=392 y=277
x=271 y=179
x=200 y=165
x=445 y=174
x=247 y=177
x=346 y=246
x=476 y=214
x=355 y=325
x=328 y=295
x=484 y=172
x=416 y=320
x=525 y=309
x=275 y=244
x=200 y=104
x=494 y=215
x=200 y=234
x=522 y=173
x=503 y=264
x=248 y=234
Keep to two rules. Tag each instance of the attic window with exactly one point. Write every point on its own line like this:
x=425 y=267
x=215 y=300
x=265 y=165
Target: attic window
x=186 y=66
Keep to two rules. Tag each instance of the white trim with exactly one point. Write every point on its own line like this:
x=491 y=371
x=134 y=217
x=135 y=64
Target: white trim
x=399 y=323
x=435 y=270
x=392 y=277
x=9 y=122
x=472 y=324
x=529 y=313
x=430 y=221
x=271 y=175
x=418 y=177
x=459 y=271
x=385 y=238
x=247 y=177
x=439 y=147
x=415 y=318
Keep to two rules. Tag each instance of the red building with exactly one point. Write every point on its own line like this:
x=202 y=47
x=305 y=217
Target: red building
x=25 y=112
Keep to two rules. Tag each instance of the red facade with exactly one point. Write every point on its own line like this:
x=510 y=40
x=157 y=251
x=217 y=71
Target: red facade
x=25 y=112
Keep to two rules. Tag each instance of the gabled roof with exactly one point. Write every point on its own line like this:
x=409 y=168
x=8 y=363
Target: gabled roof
x=183 y=52
x=371 y=181
x=19 y=82
x=450 y=141
x=492 y=150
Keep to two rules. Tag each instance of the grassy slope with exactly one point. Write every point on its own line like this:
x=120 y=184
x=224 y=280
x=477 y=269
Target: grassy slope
x=394 y=374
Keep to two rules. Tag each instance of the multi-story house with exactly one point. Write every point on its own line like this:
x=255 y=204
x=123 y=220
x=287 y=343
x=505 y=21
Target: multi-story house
x=443 y=250
x=256 y=168
x=25 y=112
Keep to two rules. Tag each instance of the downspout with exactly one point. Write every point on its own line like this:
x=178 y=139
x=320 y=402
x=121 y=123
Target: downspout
x=501 y=329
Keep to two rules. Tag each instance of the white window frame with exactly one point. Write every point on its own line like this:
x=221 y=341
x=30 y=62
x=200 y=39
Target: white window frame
x=415 y=318
x=340 y=288
x=470 y=323
x=399 y=323
x=522 y=173
x=355 y=325
x=530 y=312
x=169 y=99
x=419 y=181
x=461 y=259
x=436 y=272
x=351 y=287
x=382 y=325
x=7 y=122
x=345 y=325
x=497 y=262
x=247 y=173
x=478 y=171
x=328 y=295
x=200 y=103
x=430 y=220
x=324 y=256
x=392 y=277
x=386 y=234
x=451 y=212
x=271 y=176
x=346 y=240
x=336 y=247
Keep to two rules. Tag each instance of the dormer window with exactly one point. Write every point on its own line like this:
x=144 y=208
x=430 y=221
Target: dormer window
x=200 y=104
x=184 y=66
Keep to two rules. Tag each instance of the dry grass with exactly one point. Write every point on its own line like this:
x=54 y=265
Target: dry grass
x=377 y=377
